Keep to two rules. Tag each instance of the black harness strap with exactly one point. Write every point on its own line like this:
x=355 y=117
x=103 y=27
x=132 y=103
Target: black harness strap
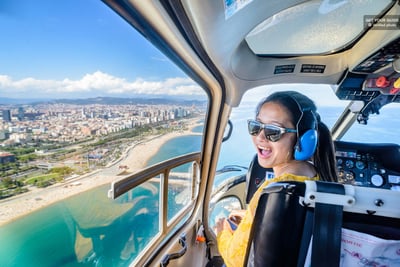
x=306 y=237
x=327 y=231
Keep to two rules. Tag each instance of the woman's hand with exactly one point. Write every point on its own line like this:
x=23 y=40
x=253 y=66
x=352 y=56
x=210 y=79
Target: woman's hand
x=222 y=224
x=235 y=217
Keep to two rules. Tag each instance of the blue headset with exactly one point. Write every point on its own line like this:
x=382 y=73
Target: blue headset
x=307 y=133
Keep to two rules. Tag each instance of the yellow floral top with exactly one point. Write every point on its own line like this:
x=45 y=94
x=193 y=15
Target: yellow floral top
x=232 y=247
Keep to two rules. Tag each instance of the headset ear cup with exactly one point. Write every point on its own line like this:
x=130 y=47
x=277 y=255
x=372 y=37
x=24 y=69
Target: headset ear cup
x=307 y=145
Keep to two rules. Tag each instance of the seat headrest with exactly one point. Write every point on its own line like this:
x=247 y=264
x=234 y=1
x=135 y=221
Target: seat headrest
x=256 y=175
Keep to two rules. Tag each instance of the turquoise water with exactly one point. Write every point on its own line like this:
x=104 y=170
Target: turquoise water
x=177 y=146
x=59 y=234
x=43 y=238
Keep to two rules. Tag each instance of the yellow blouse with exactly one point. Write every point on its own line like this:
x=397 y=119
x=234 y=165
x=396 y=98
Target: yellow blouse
x=232 y=247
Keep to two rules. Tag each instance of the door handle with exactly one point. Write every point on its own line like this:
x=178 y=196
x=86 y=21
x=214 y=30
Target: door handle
x=182 y=241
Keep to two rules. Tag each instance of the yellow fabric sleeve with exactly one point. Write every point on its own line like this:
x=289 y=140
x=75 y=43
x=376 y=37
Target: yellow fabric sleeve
x=233 y=246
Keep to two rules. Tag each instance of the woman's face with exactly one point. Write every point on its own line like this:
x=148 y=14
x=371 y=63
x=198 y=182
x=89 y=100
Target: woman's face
x=271 y=154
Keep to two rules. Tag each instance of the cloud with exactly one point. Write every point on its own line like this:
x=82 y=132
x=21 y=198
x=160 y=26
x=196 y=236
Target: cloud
x=96 y=84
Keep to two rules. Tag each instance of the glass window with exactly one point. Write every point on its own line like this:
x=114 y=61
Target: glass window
x=223 y=208
x=380 y=128
x=239 y=149
x=331 y=26
x=180 y=189
x=77 y=113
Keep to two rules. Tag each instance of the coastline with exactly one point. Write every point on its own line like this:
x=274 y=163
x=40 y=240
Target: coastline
x=18 y=206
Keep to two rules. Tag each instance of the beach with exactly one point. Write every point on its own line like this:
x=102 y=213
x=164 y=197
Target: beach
x=17 y=206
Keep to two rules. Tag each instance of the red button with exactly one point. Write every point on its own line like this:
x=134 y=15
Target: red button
x=382 y=82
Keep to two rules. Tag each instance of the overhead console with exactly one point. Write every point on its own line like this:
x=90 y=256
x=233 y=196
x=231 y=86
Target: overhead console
x=375 y=81
x=370 y=165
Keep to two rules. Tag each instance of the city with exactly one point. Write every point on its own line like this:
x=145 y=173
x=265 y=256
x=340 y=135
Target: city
x=45 y=143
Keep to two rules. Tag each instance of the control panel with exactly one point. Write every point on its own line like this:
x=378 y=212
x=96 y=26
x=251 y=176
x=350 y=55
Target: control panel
x=370 y=165
x=378 y=75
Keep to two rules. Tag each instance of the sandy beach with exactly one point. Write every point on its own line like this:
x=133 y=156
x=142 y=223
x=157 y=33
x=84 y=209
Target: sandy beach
x=20 y=205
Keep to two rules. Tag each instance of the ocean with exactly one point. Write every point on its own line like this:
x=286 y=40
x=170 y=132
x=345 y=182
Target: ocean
x=48 y=237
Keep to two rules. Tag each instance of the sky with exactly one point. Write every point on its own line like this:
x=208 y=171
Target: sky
x=321 y=94
x=79 y=49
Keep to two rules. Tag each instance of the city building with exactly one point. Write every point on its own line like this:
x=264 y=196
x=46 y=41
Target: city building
x=6 y=115
x=6 y=157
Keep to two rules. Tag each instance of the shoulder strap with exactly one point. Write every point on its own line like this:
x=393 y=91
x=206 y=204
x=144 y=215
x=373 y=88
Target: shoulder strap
x=327 y=229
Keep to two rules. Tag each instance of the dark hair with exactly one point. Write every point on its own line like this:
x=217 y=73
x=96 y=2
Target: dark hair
x=324 y=156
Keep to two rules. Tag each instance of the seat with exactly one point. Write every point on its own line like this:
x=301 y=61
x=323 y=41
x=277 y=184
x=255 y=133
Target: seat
x=319 y=223
x=255 y=176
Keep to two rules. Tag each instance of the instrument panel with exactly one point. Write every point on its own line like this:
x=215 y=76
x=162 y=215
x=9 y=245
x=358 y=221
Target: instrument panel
x=370 y=165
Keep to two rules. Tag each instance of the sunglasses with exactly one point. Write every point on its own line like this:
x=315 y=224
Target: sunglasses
x=272 y=132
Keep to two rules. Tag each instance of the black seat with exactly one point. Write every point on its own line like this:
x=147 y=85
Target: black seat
x=256 y=175
x=290 y=214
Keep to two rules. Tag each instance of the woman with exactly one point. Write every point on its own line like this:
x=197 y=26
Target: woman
x=290 y=138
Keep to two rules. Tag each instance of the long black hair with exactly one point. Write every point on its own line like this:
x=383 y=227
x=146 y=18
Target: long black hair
x=296 y=103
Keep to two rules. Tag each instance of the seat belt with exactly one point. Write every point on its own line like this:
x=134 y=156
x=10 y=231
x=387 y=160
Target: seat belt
x=306 y=237
x=327 y=229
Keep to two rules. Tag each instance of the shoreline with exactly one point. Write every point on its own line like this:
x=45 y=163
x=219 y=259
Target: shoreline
x=15 y=207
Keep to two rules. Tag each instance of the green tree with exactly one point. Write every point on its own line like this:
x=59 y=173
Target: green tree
x=7 y=182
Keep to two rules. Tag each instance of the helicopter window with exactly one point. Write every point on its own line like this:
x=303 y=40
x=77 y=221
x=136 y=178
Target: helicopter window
x=182 y=189
x=380 y=128
x=328 y=108
x=78 y=112
x=322 y=22
x=223 y=208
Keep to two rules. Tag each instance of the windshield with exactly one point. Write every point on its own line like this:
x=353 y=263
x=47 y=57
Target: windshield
x=381 y=128
x=328 y=107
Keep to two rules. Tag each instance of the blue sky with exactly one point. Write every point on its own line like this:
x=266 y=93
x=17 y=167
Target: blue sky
x=79 y=48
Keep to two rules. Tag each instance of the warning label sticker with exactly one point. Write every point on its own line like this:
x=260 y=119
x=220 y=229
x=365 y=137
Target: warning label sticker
x=284 y=69
x=312 y=68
